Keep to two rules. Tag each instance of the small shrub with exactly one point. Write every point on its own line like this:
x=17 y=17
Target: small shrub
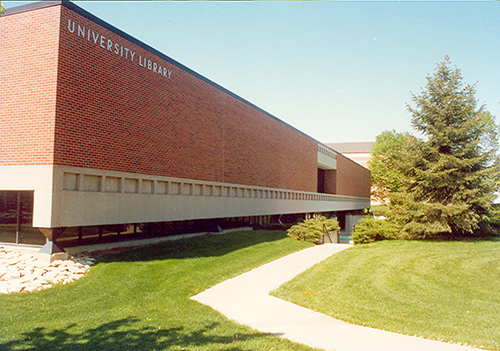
x=380 y=210
x=372 y=229
x=311 y=230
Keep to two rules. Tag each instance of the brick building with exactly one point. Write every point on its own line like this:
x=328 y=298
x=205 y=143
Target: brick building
x=101 y=133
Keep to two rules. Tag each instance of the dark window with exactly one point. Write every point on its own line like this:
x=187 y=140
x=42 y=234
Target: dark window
x=16 y=218
x=321 y=180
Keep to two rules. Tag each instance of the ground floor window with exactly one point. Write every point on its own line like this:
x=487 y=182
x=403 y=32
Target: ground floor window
x=16 y=219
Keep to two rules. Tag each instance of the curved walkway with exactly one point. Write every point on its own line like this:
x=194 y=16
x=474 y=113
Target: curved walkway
x=246 y=300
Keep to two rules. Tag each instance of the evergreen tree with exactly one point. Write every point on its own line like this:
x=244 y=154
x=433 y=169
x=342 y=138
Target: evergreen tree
x=450 y=176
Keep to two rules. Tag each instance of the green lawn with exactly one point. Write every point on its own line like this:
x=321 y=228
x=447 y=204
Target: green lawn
x=139 y=300
x=446 y=291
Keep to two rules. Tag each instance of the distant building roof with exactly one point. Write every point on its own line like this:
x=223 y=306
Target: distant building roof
x=364 y=147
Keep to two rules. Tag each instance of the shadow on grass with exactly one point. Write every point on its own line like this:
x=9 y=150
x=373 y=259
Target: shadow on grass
x=205 y=246
x=125 y=334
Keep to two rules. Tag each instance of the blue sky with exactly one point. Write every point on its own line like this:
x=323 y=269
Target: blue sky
x=338 y=71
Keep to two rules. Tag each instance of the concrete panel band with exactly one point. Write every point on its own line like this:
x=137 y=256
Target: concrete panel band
x=74 y=196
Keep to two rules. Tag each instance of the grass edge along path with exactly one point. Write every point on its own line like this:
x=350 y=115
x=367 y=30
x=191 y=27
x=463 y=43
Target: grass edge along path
x=446 y=291
x=139 y=300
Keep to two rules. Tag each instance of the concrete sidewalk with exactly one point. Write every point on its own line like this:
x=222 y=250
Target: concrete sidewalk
x=246 y=300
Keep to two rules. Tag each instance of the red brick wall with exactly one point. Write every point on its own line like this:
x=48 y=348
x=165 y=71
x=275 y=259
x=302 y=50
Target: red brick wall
x=352 y=179
x=114 y=114
x=72 y=100
x=331 y=182
x=28 y=76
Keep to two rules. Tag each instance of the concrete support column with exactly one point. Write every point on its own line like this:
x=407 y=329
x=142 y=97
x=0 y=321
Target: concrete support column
x=51 y=251
x=52 y=233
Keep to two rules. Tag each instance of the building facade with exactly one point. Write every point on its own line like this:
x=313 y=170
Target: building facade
x=99 y=129
x=359 y=152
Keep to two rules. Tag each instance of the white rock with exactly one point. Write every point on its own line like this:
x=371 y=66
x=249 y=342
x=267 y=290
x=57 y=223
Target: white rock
x=14 y=261
x=27 y=278
x=4 y=288
x=39 y=271
x=31 y=288
x=15 y=286
x=49 y=276
x=21 y=271
x=10 y=275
